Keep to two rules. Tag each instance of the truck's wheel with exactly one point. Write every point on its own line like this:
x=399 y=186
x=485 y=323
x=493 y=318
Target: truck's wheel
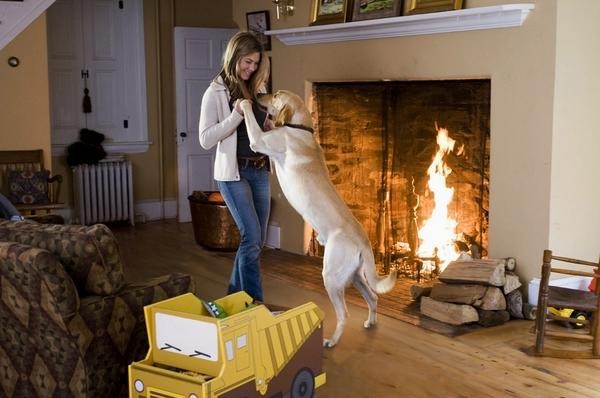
x=303 y=385
x=578 y=315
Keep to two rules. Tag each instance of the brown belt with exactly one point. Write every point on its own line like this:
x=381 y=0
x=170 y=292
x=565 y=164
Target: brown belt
x=257 y=163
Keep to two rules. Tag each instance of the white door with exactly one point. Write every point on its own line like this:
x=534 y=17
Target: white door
x=198 y=59
x=98 y=44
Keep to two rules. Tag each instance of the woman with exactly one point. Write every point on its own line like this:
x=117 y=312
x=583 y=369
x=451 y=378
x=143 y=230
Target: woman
x=241 y=174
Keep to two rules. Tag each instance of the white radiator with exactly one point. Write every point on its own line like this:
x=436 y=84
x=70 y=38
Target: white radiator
x=103 y=192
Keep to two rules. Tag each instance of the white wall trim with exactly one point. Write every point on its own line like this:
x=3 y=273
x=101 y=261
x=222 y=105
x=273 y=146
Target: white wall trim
x=145 y=210
x=151 y=210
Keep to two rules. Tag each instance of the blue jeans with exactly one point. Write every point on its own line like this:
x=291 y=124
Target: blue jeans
x=7 y=210
x=249 y=201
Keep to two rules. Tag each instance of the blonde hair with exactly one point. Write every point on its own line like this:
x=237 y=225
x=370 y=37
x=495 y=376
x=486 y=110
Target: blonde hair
x=243 y=44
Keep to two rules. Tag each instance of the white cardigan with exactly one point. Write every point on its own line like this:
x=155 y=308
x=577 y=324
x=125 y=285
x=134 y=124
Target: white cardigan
x=218 y=126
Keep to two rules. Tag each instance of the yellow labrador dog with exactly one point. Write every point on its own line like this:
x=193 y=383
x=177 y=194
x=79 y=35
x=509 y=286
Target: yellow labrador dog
x=304 y=179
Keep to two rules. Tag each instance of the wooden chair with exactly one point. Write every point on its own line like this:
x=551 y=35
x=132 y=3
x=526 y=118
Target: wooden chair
x=30 y=160
x=587 y=332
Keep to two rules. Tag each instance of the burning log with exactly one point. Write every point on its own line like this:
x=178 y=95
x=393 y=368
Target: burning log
x=454 y=314
x=458 y=294
x=476 y=272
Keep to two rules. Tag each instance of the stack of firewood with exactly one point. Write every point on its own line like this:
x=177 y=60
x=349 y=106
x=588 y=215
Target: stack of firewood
x=473 y=290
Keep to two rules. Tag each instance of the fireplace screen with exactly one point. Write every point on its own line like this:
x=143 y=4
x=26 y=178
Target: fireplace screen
x=411 y=160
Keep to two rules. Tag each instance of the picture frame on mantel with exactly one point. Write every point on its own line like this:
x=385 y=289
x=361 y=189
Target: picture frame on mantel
x=374 y=9
x=258 y=22
x=330 y=11
x=412 y=7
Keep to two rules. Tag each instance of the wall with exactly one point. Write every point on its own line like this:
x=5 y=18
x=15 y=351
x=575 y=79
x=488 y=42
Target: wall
x=520 y=62
x=575 y=188
x=24 y=106
x=204 y=13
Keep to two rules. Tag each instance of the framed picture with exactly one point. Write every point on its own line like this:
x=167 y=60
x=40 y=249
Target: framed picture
x=422 y=6
x=373 y=9
x=329 y=11
x=258 y=22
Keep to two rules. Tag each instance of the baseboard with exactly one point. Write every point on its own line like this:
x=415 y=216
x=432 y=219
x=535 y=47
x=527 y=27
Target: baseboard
x=145 y=210
x=152 y=210
x=273 y=236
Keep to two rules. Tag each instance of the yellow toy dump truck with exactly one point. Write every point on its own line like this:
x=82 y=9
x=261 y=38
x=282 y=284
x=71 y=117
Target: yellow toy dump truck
x=248 y=351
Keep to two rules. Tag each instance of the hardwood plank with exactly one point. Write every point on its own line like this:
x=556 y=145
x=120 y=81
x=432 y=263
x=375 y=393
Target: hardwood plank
x=394 y=359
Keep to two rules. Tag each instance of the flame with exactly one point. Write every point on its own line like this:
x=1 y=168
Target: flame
x=439 y=231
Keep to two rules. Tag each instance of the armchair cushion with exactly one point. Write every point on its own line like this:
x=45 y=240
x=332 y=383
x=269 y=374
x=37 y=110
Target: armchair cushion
x=28 y=187
x=90 y=254
x=52 y=345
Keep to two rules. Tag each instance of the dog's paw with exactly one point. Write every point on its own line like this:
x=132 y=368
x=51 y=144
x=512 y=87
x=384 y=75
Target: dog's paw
x=327 y=343
x=246 y=105
x=368 y=324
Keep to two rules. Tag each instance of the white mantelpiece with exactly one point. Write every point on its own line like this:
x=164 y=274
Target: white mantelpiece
x=501 y=16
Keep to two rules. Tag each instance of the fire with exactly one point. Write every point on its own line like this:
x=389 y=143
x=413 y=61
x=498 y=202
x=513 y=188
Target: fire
x=439 y=231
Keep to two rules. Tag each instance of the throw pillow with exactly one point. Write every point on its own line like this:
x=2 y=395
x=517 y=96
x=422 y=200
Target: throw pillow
x=28 y=187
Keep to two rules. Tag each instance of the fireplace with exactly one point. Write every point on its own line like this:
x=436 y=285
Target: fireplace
x=380 y=139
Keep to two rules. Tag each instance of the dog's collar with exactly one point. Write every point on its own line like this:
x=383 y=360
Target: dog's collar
x=299 y=126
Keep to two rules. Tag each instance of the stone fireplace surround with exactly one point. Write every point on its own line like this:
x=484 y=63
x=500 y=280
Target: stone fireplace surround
x=540 y=116
x=379 y=139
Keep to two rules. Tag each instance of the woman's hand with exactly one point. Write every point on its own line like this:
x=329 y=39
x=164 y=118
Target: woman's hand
x=237 y=106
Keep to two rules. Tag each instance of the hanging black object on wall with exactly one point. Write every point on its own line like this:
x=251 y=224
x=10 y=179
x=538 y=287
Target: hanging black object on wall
x=87 y=101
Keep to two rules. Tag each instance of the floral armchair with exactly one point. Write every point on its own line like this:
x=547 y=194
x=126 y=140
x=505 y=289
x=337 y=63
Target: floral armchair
x=69 y=323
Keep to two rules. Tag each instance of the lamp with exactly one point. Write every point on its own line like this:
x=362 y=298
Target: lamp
x=284 y=8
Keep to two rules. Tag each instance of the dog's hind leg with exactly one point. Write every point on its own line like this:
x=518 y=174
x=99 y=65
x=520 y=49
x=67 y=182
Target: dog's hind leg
x=340 y=261
x=336 y=295
x=360 y=283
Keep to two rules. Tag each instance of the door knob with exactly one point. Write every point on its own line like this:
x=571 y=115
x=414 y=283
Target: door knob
x=183 y=134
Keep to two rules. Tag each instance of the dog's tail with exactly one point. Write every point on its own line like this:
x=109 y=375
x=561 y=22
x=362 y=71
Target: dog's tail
x=380 y=284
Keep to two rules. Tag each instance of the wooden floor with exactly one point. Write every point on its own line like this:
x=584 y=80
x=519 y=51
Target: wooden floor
x=395 y=359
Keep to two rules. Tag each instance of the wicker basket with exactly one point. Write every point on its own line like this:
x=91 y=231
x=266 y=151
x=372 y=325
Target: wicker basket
x=214 y=228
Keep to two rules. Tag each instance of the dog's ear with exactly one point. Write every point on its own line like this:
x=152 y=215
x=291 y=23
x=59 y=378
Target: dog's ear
x=284 y=116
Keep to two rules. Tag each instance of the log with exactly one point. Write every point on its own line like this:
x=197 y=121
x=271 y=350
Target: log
x=529 y=311
x=493 y=299
x=514 y=304
x=476 y=271
x=512 y=282
x=420 y=289
x=492 y=318
x=511 y=263
x=458 y=293
x=454 y=314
